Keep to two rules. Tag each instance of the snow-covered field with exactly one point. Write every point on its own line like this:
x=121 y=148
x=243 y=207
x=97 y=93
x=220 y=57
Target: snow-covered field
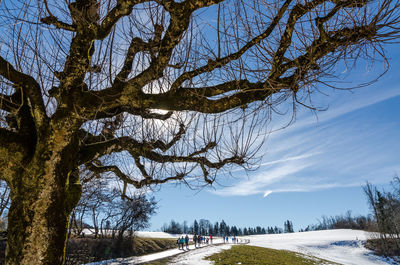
x=343 y=246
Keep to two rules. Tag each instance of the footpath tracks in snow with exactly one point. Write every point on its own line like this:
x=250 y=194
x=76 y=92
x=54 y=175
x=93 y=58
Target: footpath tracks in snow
x=194 y=255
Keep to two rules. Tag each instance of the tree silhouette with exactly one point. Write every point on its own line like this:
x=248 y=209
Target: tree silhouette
x=154 y=91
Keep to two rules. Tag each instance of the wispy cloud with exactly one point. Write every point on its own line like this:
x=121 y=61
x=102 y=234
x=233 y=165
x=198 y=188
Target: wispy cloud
x=258 y=183
x=342 y=151
x=308 y=188
x=345 y=104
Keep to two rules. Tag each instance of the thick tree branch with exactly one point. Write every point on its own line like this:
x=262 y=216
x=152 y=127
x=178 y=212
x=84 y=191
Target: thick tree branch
x=52 y=20
x=99 y=145
x=121 y=93
x=297 y=12
x=246 y=92
x=28 y=85
x=127 y=179
x=123 y=8
x=10 y=103
x=220 y=62
x=166 y=146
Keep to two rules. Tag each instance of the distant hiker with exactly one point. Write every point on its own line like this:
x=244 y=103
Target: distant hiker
x=195 y=240
x=178 y=242
x=181 y=242
x=187 y=242
x=211 y=239
x=227 y=239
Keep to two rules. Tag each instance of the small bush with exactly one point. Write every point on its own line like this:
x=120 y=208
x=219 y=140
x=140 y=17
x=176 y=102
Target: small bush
x=387 y=247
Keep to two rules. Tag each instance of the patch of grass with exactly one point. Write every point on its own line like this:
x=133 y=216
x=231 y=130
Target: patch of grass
x=143 y=246
x=250 y=255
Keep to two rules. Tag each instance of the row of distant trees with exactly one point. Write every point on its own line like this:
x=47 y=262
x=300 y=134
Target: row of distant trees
x=343 y=221
x=205 y=227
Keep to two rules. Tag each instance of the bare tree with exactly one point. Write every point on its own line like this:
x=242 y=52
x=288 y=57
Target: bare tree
x=133 y=215
x=155 y=91
x=96 y=194
x=386 y=209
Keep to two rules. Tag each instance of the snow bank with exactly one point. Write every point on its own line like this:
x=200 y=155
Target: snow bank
x=89 y=232
x=154 y=234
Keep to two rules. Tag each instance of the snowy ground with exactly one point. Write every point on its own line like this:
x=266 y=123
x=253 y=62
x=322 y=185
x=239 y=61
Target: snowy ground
x=197 y=257
x=89 y=232
x=342 y=246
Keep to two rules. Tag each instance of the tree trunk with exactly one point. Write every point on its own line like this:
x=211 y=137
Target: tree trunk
x=43 y=197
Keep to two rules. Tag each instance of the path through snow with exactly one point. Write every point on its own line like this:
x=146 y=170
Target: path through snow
x=193 y=256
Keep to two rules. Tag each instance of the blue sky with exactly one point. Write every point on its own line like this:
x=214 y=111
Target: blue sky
x=315 y=167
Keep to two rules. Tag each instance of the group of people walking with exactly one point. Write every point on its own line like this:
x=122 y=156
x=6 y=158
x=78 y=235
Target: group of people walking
x=183 y=241
x=234 y=239
x=197 y=239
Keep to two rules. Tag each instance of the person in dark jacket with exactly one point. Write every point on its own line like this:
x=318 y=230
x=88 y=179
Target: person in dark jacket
x=181 y=242
x=187 y=242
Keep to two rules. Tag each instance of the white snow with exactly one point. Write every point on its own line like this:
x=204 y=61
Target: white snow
x=197 y=257
x=154 y=234
x=89 y=232
x=343 y=246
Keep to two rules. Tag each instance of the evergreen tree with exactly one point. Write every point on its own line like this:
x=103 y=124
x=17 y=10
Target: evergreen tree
x=216 y=229
x=234 y=230
x=288 y=227
x=196 y=227
x=222 y=228
x=210 y=229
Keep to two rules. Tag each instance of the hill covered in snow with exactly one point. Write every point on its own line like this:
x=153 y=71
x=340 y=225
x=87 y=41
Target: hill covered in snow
x=344 y=246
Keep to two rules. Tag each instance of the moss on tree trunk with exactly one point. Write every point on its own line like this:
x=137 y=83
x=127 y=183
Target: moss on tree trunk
x=38 y=221
x=43 y=194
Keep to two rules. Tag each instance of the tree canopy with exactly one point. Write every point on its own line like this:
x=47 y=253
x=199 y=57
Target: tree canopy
x=155 y=91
